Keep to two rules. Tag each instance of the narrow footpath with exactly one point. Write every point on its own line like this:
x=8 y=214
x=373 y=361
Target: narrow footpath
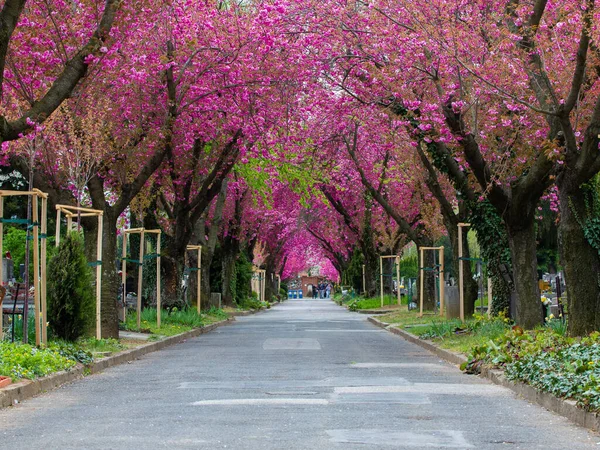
x=304 y=375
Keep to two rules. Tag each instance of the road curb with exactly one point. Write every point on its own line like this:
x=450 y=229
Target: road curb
x=23 y=390
x=251 y=312
x=562 y=407
x=377 y=311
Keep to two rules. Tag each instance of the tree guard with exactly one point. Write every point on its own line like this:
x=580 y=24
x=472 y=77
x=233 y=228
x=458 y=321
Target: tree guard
x=461 y=284
x=197 y=248
x=78 y=212
x=140 y=262
x=39 y=257
x=381 y=275
x=437 y=269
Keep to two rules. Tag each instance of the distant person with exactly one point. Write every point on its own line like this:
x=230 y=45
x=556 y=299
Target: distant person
x=328 y=290
x=314 y=291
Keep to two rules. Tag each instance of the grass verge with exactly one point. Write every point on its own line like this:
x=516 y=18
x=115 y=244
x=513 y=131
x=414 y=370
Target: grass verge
x=173 y=323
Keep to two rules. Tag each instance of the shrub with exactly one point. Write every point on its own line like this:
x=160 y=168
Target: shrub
x=251 y=303
x=71 y=303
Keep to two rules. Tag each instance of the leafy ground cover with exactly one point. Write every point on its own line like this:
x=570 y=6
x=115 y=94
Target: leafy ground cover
x=24 y=361
x=544 y=358
x=547 y=360
x=19 y=360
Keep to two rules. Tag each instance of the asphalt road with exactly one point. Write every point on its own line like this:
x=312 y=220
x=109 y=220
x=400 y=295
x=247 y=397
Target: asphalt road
x=304 y=375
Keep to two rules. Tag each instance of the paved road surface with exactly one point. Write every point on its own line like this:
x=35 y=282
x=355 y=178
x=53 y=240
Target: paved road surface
x=305 y=375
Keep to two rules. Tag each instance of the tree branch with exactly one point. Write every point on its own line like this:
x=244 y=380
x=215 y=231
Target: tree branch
x=73 y=72
x=9 y=17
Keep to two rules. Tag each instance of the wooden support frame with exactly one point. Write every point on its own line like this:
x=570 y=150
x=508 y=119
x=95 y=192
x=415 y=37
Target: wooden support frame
x=397 y=261
x=39 y=258
x=77 y=211
x=262 y=275
x=461 y=282
x=440 y=251
x=198 y=248
x=142 y=232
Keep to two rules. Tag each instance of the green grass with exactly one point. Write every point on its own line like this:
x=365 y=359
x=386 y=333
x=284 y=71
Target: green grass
x=375 y=302
x=448 y=334
x=404 y=317
x=177 y=322
x=94 y=345
x=367 y=303
x=458 y=337
x=20 y=361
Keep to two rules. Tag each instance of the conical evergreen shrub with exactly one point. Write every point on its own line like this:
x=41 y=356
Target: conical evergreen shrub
x=71 y=304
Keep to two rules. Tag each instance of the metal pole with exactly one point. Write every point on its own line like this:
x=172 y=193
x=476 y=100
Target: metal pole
x=124 y=274
x=57 y=240
x=44 y=243
x=199 y=279
x=140 y=275
x=99 y=277
x=158 y=303
x=489 y=289
x=461 y=288
x=36 y=268
x=422 y=273
x=398 y=278
x=364 y=281
x=381 y=279
x=442 y=281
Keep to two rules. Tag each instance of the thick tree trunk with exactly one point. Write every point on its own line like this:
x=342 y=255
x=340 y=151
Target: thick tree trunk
x=581 y=263
x=371 y=261
x=207 y=257
x=270 y=289
x=430 y=298
x=389 y=272
x=110 y=279
x=231 y=250
x=528 y=309
x=171 y=272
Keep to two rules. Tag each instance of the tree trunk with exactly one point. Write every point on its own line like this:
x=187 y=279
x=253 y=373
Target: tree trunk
x=110 y=279
x=231 y=250
x=389 y=272
x=470 y=285
x=430 y=299
x=522 y=242
x=371 y=261
x=581 y=263
x=269 y=278
x=369 y=251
